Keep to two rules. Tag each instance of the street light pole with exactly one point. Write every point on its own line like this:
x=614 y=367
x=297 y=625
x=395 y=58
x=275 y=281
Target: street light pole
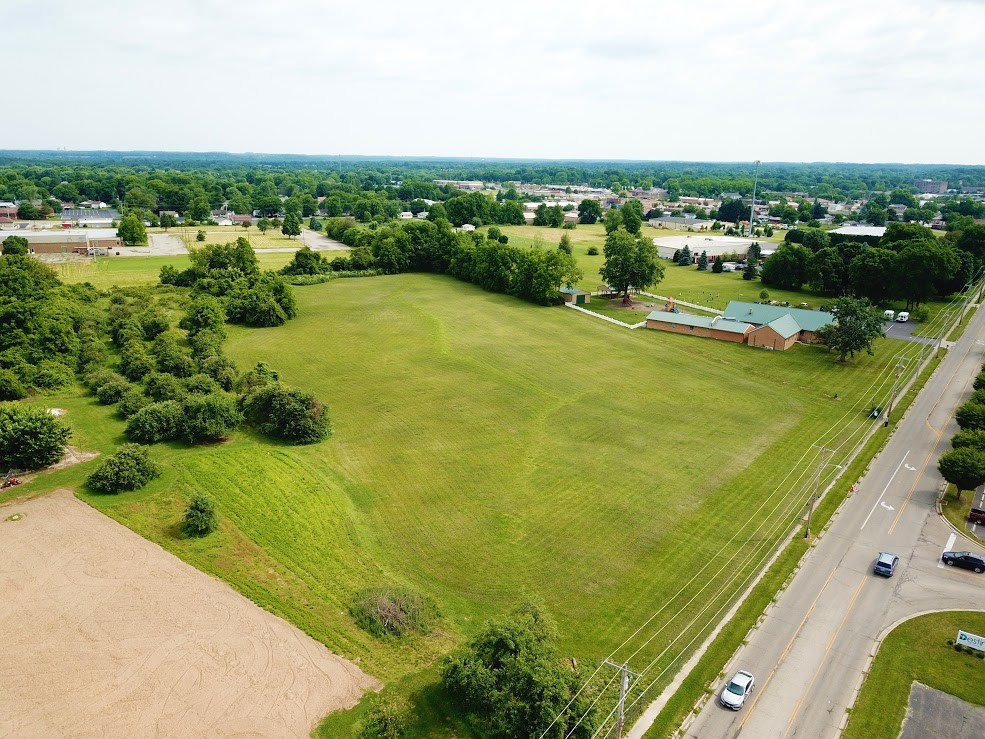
x=752 y=207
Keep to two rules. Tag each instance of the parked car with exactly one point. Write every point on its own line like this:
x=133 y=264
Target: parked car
x=735 y=691
x=965 y=560
x=886 y=564
x=889 y=315
x=976 y=514
x=902 y=317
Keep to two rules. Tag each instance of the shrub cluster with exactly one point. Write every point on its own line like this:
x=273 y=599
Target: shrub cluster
x=287 y=413
x=201 y=517
x=30 y=438
x=231 y=271
x=129 y=469
x=532 y=274
x=394 y=611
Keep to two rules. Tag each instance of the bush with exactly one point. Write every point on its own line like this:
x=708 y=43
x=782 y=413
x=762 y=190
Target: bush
x=287 y=413
x=171 y=358
x=52 y=375
x=135 y=362
x=154 y=324
x=128 y=469
x=388 y=717
x=156 y=422
x=920 y=313
x=201 y=385
x=162 y=386
x=394 y=611
x=30 y=438
x=593 y=251
x=209 y=417
x=201 y=518
x=259 y=376
x=11 y=388
x=98 y=378
x=131 y=402
x=113 y=391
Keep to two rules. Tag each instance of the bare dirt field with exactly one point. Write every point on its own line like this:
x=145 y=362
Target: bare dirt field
x=105 y=634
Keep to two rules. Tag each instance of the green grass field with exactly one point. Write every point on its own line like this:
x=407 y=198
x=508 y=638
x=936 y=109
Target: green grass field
x=917 y=650
x=487 y=450
x=104 y=272
x=273 y=238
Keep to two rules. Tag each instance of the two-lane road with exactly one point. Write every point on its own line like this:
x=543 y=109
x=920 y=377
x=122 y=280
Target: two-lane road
x=809 y=653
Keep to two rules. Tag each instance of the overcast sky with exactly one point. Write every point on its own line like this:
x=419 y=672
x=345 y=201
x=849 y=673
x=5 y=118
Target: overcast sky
x=861 y=81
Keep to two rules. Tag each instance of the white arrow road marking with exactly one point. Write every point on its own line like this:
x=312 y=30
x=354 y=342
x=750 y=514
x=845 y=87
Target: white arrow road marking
x=886 y=506
x=879 y=500
x=911 y=468
x=950 y=543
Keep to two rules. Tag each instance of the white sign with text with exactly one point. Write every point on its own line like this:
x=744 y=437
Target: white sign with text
x=971 y=640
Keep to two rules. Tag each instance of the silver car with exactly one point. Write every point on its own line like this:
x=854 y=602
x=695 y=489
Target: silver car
x=735 y=692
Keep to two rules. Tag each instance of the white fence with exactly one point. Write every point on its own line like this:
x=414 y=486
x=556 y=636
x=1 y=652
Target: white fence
x=641 y=324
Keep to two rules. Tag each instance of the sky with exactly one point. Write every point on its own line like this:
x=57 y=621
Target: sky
x=872 y=81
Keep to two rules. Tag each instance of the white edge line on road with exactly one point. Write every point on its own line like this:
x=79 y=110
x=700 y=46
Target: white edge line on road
x=947 y=548
x=876 y=504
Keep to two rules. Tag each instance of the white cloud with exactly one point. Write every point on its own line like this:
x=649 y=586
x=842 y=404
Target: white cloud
x=837 y=81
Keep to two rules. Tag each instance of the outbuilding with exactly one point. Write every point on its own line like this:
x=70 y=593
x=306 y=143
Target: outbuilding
x=575 y=296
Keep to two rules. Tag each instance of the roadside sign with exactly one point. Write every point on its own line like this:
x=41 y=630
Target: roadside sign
x=971 y=640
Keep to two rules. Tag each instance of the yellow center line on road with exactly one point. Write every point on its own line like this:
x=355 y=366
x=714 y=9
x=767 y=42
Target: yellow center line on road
x=933 y=449
x=827 y=649
x=786 y=651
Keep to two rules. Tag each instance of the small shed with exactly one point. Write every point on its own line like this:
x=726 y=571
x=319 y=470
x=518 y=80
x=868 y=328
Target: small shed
x=575 y=296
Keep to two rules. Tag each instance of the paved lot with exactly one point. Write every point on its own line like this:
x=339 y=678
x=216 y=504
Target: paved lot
x=933 y=713
x=895 y=330
x=106 y=634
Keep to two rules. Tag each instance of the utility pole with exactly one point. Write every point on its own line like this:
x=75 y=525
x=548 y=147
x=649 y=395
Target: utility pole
x=752 y=207
x=624 y=673
x=821 y=462
x=900 y=371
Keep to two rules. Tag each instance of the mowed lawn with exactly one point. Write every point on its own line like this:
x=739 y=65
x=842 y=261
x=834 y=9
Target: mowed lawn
x=917 y=651
x=487 y=451
x=104 y=272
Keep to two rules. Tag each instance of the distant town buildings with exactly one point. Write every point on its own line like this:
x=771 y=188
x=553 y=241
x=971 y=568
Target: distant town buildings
x=935 y=187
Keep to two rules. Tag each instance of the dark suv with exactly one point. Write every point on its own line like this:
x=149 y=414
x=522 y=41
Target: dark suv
x=967 y=560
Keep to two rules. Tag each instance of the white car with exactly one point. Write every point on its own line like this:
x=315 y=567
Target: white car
x=735 y=692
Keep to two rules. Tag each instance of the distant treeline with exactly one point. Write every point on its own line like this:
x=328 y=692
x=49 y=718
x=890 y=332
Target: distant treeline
x=529 y=273
x=172 y=181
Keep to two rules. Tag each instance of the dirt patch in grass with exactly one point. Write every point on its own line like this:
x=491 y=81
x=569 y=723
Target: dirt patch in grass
x=107 y=631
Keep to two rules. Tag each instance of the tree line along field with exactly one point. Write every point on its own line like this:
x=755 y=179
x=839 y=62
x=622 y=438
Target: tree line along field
x=488 y=450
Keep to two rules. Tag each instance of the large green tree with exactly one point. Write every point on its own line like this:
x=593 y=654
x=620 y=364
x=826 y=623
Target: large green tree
x=630 y=261
x=872 y=274
x=923 y=268
x=16 y=246
x=787 y=268
x=858 y=324
x=963 y=467
x=589 y=211
x=632 y=216
x=511 y=677
x=132 y=230
x=291 y=226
